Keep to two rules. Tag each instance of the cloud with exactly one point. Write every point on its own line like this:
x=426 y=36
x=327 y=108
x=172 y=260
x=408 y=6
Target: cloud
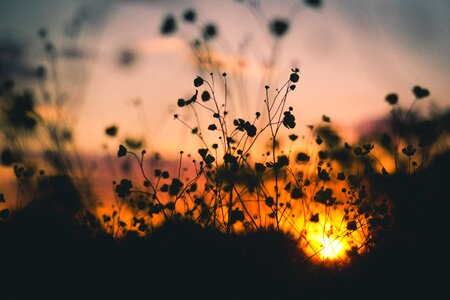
x=161 y=45
x=227 y=62
x=13 y=59
x=416 y=25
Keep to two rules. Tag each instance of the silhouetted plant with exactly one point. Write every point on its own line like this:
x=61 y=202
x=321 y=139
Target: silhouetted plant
x=287 y=191
x=408 y=131
x=32 y=142
x=208 y=54
x=4 y=213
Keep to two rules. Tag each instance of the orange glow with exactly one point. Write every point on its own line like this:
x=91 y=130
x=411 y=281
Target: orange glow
x=324 y=239
x=330 y=240
x=332 y=248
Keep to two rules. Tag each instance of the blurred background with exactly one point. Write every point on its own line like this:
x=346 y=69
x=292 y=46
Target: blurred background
x=351 y=54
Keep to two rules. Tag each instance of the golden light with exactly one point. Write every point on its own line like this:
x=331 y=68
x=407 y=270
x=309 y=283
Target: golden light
x=323 y=232
x=327 y=239
x=332 y=248
x=329 y=248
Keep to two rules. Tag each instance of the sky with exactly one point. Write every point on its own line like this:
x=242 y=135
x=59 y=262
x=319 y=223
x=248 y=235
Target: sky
x=351 y=54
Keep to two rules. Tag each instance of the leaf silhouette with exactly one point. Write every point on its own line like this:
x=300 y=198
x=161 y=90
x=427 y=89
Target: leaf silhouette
x=198 y=81
x=289 y=120
x=122 y=151
x=111 y=131
x=175 y=187
x=293 y=137
x=302 y=157
x=324 y=196
x=259 y=167
x=169 y=25
x=386 y=141
x=205 y=96
x=352 y=225
x=296 y=193
x=4 y=213
x=209 y=159
x=409 y=150
x=123 y=188
x=392 y=99
x=7 y=158
x=323 y=175
x=269 y=201
x=282 y=161
x=314 y=3
x=236 y=215
x=279 y=27
x=314 y=218
x=190 y=16
x=212 y=127
x=294 y=77
x=133 y=143
x=165 y=188
x=209 y=31
x=420 y=92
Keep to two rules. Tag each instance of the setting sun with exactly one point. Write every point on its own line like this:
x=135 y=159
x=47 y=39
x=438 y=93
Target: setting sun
x=332 y=247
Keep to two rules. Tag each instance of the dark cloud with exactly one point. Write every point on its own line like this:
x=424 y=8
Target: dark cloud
x=421 y=24
x=14 y=61
x=88 y=15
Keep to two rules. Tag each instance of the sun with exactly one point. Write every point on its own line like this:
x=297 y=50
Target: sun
x=332 y=248
x=323 y=247
x=327 y=239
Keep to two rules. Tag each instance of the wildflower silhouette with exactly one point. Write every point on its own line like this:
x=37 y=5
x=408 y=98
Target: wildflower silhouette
x=230 y=191
x=279 y=28
x=190 y=16
x=111 y=131
x=314 y=3
x=420 y=92
x=392 y=99
x=4 y=213
x=169 y=25
x=122 y=151
x=209 y=31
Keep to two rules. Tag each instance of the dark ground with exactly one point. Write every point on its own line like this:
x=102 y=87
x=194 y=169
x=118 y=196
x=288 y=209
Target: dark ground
x=41 y=253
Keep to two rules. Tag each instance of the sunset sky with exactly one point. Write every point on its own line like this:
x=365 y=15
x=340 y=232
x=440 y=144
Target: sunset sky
x=351 y=54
